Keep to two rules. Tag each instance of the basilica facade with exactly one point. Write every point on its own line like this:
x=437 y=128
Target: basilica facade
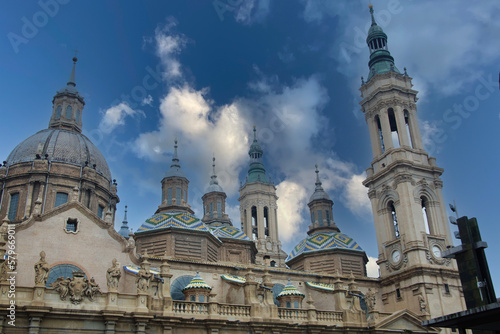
x=77 y=270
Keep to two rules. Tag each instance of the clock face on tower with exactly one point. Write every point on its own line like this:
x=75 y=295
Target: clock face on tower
x=396 y=256
x=436 y=251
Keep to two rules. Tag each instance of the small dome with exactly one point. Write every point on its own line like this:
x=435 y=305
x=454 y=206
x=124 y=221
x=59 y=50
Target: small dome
x=224 y=230
x=173 y=219
x=61 y=146
x=322 y=241
x=319 y=194
x=290 y=290
x=197 y=283
x=214 y=188
x=175 y=171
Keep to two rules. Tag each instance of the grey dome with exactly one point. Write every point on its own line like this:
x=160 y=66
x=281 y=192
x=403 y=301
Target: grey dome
x=319 y=194
x=61 y=146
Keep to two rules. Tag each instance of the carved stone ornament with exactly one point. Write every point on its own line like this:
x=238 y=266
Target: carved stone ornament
x=41 y=270
x=370 y=300
x=402 y=178
x=436 y=258
x=77 y=287
x=391 y=265
x=113 y=275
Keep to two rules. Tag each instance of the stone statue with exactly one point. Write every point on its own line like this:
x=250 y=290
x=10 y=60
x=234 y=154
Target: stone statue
x=113 y=275
x=143 y=278
x=41 y=270
x=370 y=300
x=92 y=289
x=61 y=286
x=422 y=303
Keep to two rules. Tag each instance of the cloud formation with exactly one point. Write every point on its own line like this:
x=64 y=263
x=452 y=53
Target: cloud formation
x=115 y=116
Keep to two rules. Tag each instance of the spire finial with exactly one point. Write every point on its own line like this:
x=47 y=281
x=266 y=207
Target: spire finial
x=214 y=176
x=71 y=81
x=175 y=158
x=125 y=218
x=373 y=17
x=318 y=182
x=254 y=133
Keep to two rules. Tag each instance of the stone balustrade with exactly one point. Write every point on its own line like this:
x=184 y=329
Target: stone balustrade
x=330 y=316
x=292 y=314
x=234 y=310
x=190 y=308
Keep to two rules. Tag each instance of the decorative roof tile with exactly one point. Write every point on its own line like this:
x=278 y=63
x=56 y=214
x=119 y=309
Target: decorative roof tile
x=173 y=219
x=197 y=283
x=290 y=290
x=323 y=241
x=221 y=230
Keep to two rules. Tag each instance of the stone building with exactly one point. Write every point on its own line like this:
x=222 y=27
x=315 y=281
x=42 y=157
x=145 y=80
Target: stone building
x=183 y=274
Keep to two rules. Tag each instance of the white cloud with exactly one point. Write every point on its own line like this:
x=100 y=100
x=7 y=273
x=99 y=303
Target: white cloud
x=185 y=114
x=292 y=201
x=115 y=116
x=148 y=100
x=168 y=46
x=356 y=197
x=432 y=136
x=372 y=268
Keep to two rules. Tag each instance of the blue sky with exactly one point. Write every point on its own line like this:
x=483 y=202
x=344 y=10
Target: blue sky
x=207 y=71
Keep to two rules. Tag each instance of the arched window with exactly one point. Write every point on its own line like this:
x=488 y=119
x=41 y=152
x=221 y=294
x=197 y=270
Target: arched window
x=254 y=223
x=394 y=128
x=58 y=112
x=169 y=196
x=394 y=219
x=61 y=270
x=177 y=285
x=100 y=211
x=380 y=133
x=68 y=112
x=77 y=115
x=425 y=214
x=327 y=217
x=277 y=288
x=407 y=125
x=320 y=217
x=266 y=221
x=14 y=201
x=211 y=210
x=219 y=209
x=178 y=193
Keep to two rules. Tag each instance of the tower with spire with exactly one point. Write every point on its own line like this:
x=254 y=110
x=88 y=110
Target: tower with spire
x=68 y=106
x=174 y=188
x=214 y=201
x=320 y=206
x=258 y=208
x=325 y=249
x=405 y=191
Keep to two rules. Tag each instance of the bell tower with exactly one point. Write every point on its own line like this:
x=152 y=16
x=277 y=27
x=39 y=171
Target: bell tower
x=258 y=208
x=405 y=191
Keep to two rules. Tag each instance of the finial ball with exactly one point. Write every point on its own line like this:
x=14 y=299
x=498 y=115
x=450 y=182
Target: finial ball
x=370 y=6
x=75 y=59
